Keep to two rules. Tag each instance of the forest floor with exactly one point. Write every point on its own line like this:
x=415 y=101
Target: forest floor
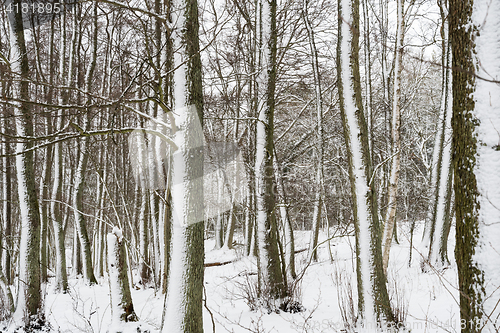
x=425 y=302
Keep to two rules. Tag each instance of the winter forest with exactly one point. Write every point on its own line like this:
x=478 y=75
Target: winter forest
x=261 y=166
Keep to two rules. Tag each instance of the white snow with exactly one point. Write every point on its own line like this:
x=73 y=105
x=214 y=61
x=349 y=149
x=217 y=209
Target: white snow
x=430 y=298
x=487 y=110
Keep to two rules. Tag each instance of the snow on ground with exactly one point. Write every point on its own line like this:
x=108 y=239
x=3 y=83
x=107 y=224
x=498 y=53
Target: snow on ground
x=429 y=300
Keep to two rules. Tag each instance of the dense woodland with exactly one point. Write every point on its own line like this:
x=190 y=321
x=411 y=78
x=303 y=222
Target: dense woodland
x=133 y=131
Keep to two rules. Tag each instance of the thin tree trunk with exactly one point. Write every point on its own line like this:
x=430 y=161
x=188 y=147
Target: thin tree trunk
x=289 y=240
x=61 y=282
x=318 y=202
x=7 y=205
x=390 y=220
x=144 y=263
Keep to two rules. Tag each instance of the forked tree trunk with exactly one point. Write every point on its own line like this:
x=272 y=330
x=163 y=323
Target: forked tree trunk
x=438 y=227
x=373 y=300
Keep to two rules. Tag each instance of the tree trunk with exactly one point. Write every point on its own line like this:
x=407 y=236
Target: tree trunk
x=61 y=282
x=373 y=300
x=437 y=238
x=318 y=202
x=271 y=282
x=289 y=251
x=390 y=220
x=7 y=206
x=475 y=123
x=29 y=301
x=185 y=283
x=144 y=263
x=122 y=308
x=44 y=209
x=82 y=164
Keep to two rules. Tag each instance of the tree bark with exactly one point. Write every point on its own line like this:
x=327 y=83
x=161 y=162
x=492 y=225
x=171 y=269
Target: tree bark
x=271 y=280
x=29 y=301
x=476 y=118
x=185 y=283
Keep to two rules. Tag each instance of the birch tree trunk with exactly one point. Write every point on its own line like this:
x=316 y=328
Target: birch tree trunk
x=29 y=298
x=373 y=300
x=476 y=159
x=390 y=220
x=270 y=276
x=318 y=201
x=185 y=282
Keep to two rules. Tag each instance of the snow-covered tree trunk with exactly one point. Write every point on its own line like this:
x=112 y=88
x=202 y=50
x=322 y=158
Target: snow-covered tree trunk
x=77 y=254
x=373 y=300
x=249 y=211
x=29 y=299
x=231 y=221
x=122 y=308
x=219 y=220
x=80 y=220
x=167 y=239
x=61 y=281
x=366 y=4
x=271 y=280
x=44 y=208
x=144 y=264
x=185 y=280
x=153 y=201
x=6 y=298
x=440 y=203
x=476 y=159
x=390 y=219
x=99 y=239
x=7 y=195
